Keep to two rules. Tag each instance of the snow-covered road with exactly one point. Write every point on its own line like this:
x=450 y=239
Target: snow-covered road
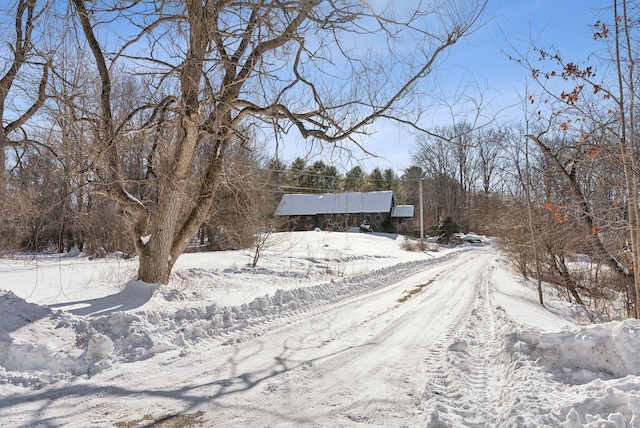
x=377 y=358
x=373 y=358
x=441 y=347
x=400 y=355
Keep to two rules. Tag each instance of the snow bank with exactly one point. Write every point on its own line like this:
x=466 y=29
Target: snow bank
x=176 y=319
x=591 y=352
x=33 y=352
x=140 y=335
x=592 y=370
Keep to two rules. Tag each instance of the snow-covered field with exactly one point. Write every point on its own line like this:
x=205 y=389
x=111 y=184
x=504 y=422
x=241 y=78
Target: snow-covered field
x=330 y=329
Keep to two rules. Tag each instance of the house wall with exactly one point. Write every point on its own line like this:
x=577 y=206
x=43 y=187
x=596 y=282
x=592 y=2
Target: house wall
x=339 y=222
x=342 y=222
x=300 y=222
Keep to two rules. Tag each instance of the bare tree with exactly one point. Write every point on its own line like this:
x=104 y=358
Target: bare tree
x=215 y=67
x=24 y=73
x=596 y=114
x=458 y=161
x=21 y=61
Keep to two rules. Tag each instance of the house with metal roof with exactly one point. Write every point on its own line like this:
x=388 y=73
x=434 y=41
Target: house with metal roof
x=340 y=211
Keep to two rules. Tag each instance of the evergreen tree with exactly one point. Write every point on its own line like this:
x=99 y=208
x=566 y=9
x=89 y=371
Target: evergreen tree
x=354 y=180
x=375 y=181
x=296 y=175
x=447 y=229
x=320 y=178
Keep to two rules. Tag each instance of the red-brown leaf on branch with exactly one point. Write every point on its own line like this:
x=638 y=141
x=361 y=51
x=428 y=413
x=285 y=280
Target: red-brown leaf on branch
x=571 y=97
x=603 y=34
x=561 y=218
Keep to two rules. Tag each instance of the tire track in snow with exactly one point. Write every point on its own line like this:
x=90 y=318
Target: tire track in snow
x=471 y=366
x=360 y=359
x=366 y=371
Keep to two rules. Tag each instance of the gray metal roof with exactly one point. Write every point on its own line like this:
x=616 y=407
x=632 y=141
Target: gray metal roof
x=402 y=211
x=336 y=203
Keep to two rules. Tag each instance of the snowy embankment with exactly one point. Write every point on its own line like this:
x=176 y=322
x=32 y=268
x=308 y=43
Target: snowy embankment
x=65 y=319
x=562 y=372
x=587 y=376
x=94 y=333
x=99 y=341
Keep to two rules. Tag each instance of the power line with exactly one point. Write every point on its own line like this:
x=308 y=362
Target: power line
x=311 y=174
x=317 y=189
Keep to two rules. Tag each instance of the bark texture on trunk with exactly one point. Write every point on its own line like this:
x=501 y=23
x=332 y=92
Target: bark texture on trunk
x=155 y=264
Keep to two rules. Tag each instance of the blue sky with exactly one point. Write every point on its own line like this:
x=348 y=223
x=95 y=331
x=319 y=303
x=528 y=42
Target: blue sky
x=566 y=25
x=483 y=57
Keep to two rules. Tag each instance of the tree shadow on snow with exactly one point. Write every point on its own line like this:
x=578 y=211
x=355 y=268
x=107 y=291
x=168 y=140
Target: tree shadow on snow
x=134 y=295
x=183 y=399
x=16 y=313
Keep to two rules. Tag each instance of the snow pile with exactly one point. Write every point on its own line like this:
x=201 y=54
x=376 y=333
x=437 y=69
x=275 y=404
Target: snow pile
x=34 y=350
x=591 y=352
x=558 y=372
x=135 y=336
x=591 y=375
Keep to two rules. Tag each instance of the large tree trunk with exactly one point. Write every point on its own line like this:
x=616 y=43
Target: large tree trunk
x=154 y=249
x=156 y=242
x=168 y=233
x=155 y=262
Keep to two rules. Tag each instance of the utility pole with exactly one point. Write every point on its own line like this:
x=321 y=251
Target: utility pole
x=421 y=217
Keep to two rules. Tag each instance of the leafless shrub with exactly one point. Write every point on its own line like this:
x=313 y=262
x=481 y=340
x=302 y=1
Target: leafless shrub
x=409 y=244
